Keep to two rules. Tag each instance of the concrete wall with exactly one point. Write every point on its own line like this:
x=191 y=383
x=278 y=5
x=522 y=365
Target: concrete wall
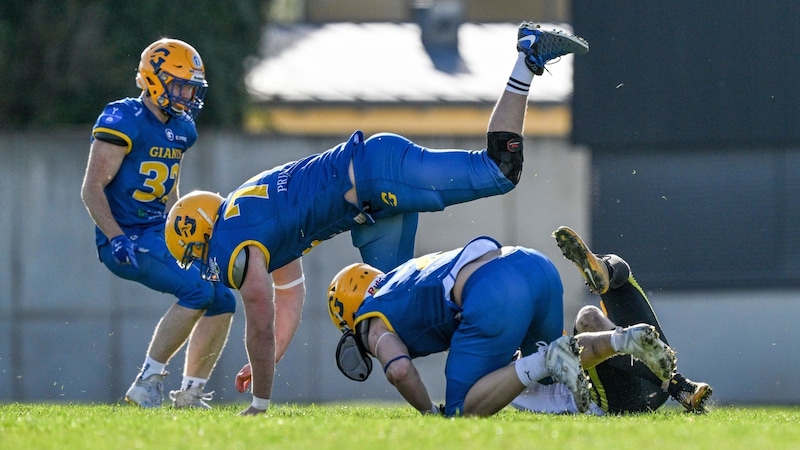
x=70 y=331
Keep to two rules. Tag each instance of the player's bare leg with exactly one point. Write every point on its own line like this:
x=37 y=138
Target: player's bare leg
x=536 y=47
x=202 y=353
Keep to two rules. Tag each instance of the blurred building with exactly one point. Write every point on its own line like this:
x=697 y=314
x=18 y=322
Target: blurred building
x=414 y=67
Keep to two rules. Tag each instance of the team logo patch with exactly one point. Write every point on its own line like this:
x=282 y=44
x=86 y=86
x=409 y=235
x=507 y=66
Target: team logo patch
x=170 y=134
x=111 y=115
x=389 y=198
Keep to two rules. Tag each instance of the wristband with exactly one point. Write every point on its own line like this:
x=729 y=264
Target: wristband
x=289 y=285
x=260 y=403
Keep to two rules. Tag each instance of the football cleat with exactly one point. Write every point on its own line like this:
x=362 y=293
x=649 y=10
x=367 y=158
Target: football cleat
x=690 y=394
x=641 y=341
x=593 y=269
x=147 y=393
x=541 y=46
x=563 y=362
x=191 y=398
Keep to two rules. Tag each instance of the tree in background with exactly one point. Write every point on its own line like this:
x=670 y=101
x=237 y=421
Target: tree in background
x=61 y=62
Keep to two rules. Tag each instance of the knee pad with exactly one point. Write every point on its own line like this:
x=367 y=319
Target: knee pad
x=619 y=270
x=505 y=149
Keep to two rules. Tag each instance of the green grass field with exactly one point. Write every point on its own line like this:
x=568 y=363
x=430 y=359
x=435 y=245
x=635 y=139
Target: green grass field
x=352 y=427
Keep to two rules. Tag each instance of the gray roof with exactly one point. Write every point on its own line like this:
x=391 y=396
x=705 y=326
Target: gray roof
x=384 y=63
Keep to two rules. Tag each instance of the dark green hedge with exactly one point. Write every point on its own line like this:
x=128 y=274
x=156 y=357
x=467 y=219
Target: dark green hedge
x=60 y=62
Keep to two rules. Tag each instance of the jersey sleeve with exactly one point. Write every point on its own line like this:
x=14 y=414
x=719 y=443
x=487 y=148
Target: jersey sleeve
x=115 y=124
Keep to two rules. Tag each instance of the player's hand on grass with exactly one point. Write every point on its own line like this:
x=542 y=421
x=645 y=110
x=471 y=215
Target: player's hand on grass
x=124 y=250
x=243 y=379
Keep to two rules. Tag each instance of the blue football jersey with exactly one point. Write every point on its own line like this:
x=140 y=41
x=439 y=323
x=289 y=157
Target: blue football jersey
x=285 y=211
x=138 y=193
x=414 y=299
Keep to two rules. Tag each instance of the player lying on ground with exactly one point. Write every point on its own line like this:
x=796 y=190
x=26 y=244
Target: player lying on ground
x=619 y=385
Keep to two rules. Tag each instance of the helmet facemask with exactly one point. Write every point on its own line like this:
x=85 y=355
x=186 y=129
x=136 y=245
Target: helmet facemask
x=195 y=251
x=182 y=98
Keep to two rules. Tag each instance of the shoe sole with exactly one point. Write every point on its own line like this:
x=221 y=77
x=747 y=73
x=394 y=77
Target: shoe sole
x=574 y=249
x=580 y=385
x=699 y=398
x=662 y=366
x=569 y=43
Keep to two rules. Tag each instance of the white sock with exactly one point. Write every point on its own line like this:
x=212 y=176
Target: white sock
x=521 y=77
x=531 y=368
x=617 y=339
x=190 y=382
x=151 y=366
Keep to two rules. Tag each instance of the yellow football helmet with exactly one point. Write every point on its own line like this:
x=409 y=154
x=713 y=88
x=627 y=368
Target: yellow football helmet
x=189 y=226
x=347 y=291
x=172 y=74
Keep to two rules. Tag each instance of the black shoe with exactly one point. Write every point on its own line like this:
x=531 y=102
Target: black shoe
x=691 y=394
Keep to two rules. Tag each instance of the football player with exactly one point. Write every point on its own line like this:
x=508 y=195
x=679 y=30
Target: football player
x=131 y=180
x=619 y=385
x=374 y=187
x=481 y=303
